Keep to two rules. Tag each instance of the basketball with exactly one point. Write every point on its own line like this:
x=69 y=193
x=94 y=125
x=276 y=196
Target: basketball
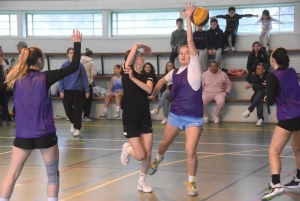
x=200 y=16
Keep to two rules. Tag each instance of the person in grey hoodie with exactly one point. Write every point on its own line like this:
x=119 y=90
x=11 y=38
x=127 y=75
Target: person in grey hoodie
x=87 y=61
x=178 y=39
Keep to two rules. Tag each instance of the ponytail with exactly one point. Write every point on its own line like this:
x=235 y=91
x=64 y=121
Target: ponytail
x=281 y=57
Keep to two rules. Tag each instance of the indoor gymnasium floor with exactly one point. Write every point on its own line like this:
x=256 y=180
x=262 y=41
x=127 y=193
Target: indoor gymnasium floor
x=233 y=165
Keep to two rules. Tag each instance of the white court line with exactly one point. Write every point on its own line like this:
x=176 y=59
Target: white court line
x=178 y=142
x=5 y=152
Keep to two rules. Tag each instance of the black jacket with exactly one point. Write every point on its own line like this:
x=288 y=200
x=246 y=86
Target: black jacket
x=257 y=83
x=262 y=57
x=199 y=39
x=213 y=39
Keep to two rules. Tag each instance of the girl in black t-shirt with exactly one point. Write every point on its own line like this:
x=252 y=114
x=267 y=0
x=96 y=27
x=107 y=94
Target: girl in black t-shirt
x=137 y=125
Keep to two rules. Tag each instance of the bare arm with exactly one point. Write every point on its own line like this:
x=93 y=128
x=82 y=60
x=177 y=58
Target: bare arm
x=134 y=49
x=157 y=88
x=146 y=87
x=111 y=84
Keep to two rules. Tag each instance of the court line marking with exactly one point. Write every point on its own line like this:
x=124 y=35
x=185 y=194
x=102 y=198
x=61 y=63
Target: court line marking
x=7 y=152
x=165 y=164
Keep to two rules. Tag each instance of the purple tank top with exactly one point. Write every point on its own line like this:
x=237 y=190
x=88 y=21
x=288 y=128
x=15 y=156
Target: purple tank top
x=288 y=102
x=34 y=113
x=186 y=101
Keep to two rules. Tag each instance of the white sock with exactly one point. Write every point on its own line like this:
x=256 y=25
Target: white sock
x=159 y=157
x=4 y=199
x=105 y=109
x=191 y=178
x=118 y=108
x=52 y=199
x=129 y=149
x=142 y=177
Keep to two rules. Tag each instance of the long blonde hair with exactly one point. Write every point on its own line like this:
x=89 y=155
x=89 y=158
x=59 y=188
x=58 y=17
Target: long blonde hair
x=27 y=58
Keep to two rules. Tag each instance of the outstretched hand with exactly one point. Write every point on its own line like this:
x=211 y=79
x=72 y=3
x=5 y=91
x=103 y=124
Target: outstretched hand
x=147 y=50
x=76 y=36
x=189 y=8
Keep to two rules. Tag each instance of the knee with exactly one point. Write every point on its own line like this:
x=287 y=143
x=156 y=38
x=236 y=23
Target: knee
x=140 y=155
x=295 y=147
x=53 y=172
x=190 y=153
x=273 y=151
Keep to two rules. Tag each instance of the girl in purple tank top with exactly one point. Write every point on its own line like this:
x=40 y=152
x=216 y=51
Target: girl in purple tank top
x=283 y=88
x=186 y=112
x=35 y=127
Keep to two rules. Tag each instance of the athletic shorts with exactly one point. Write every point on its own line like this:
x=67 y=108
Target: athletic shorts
x=184 y=122
x=36 y=143
x=290 y=124
x=136 y=124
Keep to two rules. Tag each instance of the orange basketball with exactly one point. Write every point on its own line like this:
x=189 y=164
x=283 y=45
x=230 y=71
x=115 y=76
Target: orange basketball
x=200 y=16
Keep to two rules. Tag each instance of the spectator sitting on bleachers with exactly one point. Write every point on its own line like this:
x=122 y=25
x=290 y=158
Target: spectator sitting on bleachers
x=213 y=44
x=199 y=36
x=257 y=55
x=178 y=38
x=149 y=68
x=165 y=97
x=4 y=93
x=216 y=86
x=115 y=91
x=258 y=85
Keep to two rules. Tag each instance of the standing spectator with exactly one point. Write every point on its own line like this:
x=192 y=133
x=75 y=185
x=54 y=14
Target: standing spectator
x=4 y=93
x=256 y=56
x=213 y=44
x=87 y=61
x=21 y=45
x=72 y=89
x=199 y=36
x=149 y=68
x=165 y=97
x=115 y=91
x=266 y=27
x=216 y=86
x=232 y=25
x=178 y=38
x=258 y=85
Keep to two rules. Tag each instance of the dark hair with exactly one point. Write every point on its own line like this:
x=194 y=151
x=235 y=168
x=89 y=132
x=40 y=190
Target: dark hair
x=213 y=20
x=231 y=8
x=281 y=57
x=70 y=48
x=166 y=70
x=179 y=20
x=118 y=66
x=34 y=54
x=152 y=68
x=267 y=13
x=88 y=52
x=215 y=63
x=263 y=65
x=255 y=42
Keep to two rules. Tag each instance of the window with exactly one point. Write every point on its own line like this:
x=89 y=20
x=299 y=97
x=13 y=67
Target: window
x=282 y=13
x=90 y=24
x=144 y=23
x=8 y=25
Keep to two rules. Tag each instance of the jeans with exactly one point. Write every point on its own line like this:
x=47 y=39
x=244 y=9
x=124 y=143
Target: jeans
x=258 y=103
x=164 y=102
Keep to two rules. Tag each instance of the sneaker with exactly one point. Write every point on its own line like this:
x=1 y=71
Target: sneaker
x=246 y=114
x=67 y=119
x=226 y=49
x=295 y=183
x=191 y=186
x=217 y=120
x=142 y=186
x=117 y=114
x=87 y=119
x=154 y=166
x=259 y=122
x=267 y=48
x=164 y=121
x=125 y=156
x=154 y=111
x=272 y=192
x=103 y=114
x=5 y=123
x=205 y=119
x=72 y=129
x=76 y=133
x=233 y=49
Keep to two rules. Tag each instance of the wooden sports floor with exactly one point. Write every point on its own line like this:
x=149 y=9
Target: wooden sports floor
x=233 y=165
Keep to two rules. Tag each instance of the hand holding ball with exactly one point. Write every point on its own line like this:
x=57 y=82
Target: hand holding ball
x=200 y=16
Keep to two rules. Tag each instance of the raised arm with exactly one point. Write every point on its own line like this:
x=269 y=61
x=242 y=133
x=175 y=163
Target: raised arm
x=134 y=49
x=190 y=7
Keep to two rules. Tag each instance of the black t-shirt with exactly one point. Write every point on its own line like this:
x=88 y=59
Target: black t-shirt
x=135 y=99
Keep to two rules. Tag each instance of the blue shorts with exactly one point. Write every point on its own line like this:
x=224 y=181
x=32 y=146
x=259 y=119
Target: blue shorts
x=184 y=122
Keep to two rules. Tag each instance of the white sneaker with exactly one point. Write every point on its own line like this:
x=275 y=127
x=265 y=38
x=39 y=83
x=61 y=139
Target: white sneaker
x=164 y=121
x=76 y=133
x=142 y=186
x=72 y=129
x=246 y=114
x=267 y=48
x=233 y=49
x=205 y=119
x=226 y=49
x=154 y=111
x=125 y=156
x=103 y=114
x=272 y=192
x=217 y=120
x=117 y=114
x=192 y=190
x=259 y=122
